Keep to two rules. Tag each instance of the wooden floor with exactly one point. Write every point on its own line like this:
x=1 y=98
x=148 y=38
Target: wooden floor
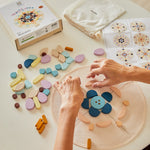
x=143 y=3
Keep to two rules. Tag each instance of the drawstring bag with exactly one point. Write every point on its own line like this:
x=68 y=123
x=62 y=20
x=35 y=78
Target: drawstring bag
x=91 y=16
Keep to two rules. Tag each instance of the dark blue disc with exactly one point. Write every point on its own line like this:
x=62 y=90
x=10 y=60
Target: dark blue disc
x=28 y=62
x=94 y=112
x=91 y=93
x=107 y=96
x=106 y=109
x=85 y=103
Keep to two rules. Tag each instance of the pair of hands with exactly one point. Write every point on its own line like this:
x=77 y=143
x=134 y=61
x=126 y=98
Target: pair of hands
x=71 y=91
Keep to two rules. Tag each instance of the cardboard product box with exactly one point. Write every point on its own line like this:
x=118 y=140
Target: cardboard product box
x=29 y=21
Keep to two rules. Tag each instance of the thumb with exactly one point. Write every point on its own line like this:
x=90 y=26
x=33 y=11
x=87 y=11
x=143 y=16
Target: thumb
x=100 y=84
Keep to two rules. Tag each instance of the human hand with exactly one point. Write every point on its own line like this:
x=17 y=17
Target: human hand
x=71 y=94
x=114 y=72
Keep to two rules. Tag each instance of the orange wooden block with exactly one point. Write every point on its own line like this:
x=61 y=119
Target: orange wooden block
x=89 y=143
x=44 y=119
x=69 y=48
x=119 y=123
x=91 y=127
x=42 y=128
x=126 y=103
x=39 y=124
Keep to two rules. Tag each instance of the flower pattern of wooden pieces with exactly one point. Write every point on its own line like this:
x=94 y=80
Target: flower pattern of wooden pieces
x=137 y=26
x=143 y=53
x=141 y=39
x=118 y=27
x=121 y=40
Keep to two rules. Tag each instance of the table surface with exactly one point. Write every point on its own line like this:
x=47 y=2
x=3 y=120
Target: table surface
x=17 y=129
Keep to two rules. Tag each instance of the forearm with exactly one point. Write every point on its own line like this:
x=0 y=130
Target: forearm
x=137 y=74
x=65 y=131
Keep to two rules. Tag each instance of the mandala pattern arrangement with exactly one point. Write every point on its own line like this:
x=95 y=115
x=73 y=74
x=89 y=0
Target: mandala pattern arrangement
x=141 y=39
x=124 y=55
x=118 y=27
x=121 y=40
x=137 y=26
x=147 y=66
x=143 y=53
x=29 y=18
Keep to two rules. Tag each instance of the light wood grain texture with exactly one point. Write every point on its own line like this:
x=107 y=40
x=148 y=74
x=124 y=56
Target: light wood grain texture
x=143 y=3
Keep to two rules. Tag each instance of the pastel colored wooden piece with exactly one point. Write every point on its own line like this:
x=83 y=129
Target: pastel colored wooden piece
x=55 y=73
x=44 y=119
x=59 y=49
x=20 y=92
x=89 y=143
x=42 y=71
x=69 y=60
x=83 y=118
x=28 y=62
x=99 y=52
x=15 y=81
x=32 y=57
x=85 y=103
x=61 y=58
x=55 y=53
x=13 y=75
x=36 y=102
x=46 y=84
x=65 y=66
x=44 y=50
x=65 y=53
x=94 y=112
x=39 y=124
x=119 y=123
x=126 y=103
x=21 y=74
x=104 y=124
x=97 y=102
x=48 y=70
x=91 y=127
x=79 y=58
x=91 y=93
x=58 y=67
x=29 y=104
x=20 y=86
x=116 y=91
x=42 y=97
x=122 y=112
x=69 y=48
x=38 y=79
x=28 y=84
x=46 y=92
x=42 y=128
x=45 y=59
x=33 y=93
x=107 y=108
x=36 y=62
x=107 y=96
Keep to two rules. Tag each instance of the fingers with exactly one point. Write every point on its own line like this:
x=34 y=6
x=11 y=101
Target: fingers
x=100 y=84
x=94 y=72
x=100 y=60
x=94 y=65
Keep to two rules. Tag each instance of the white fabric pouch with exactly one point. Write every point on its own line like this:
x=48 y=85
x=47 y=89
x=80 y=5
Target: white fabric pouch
x=91 y=16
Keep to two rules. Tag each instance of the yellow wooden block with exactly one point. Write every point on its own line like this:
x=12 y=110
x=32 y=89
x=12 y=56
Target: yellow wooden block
x=36 y=62
x=36 y=102
x=15 y=81
x=89 y=143
x=21 y=74
x=38 y=79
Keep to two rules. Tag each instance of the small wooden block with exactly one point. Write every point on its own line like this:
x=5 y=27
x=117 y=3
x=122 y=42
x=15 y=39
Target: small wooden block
x=20 y=86
x=38 y=79
x=39 y=124
x=21 y=74
x=104 y=124
x=44 y=119
x=69 y=48
x=126 y=103
x=61 y=58
x=42 y=128
x=91 y=127
x=15 y=81
x=59 y=49
x=36 y=102
x=89 y=143
x=36 y=62
x=33 y=93
x=55 y=53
